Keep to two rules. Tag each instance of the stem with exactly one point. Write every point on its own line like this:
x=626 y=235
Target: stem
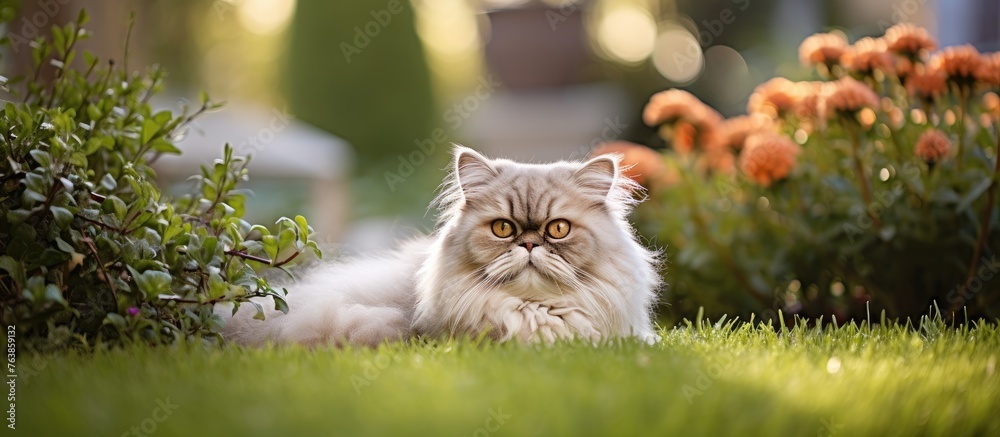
x=984 y=228
x=245 y=255
x=100 y=224
x=963 y=102
x=287 y=260
x=862 y=178
x=271 y=263
x=182 y=300
x=114 y=290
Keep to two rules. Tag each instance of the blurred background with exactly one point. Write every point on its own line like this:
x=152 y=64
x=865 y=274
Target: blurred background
x=349 y=108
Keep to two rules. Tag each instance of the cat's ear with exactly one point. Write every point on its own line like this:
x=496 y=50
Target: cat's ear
x=597 y=176
x=472 y=169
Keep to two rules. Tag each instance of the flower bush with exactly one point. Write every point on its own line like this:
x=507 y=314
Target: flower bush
x=870 y=189
x=91 y=251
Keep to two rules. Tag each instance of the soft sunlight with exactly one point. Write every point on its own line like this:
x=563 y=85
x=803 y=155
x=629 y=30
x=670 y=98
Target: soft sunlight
x=266 y=17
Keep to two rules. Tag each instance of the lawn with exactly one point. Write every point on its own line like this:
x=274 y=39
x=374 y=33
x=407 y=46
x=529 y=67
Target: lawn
x=701 y=380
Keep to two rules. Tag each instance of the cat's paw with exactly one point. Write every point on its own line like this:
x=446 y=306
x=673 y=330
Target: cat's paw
x=578 y=321
x=539 y=325
x=542 y=322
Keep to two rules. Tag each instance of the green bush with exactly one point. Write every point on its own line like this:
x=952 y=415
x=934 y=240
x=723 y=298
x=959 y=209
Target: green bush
x=90 y=249
x=871 y=190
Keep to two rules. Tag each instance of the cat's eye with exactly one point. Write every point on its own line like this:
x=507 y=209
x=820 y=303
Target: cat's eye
x=502 y=228
x=557 y=229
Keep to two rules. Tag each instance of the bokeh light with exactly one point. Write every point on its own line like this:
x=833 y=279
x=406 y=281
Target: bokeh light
x=627 y=34
x=266 y=17
x=448 y=27
x=678 y=56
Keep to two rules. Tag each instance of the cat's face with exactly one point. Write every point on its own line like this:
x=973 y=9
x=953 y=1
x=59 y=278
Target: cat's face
x=533 y=229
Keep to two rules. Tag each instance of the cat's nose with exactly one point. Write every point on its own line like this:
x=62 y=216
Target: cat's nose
x=528 y=246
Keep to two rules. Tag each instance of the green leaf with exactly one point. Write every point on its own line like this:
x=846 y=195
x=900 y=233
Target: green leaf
x=62 y=216
x=152 y=283
x=93 y=112
x=973 y=194
x=149 y=128
x=83 y=17
x=315 y=248
x=164 y=146
x=13 y=268
x=108 y=182
x=260 y=311
x=303 y=228
x=208 y=249
x=113 y=204
x=286 y=238
x=270 y=246
x=41 y=157
x=260 y=228
x=35 y=287
x=945 y=195
x=52 y=294
x=59 y=41
x=173 y=230
x=163 y=117
x=32 y=196
x=114 y=319
x=216 y=286
x=280 y=304
x=64 y=246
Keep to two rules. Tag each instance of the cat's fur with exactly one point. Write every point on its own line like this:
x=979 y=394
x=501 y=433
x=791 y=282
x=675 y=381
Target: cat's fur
x=597 y=282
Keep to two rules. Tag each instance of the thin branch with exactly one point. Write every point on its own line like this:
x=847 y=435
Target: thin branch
x=866 y=192
x=99 y=223
x=107 y=278
x=287 y=260
x=245 y=255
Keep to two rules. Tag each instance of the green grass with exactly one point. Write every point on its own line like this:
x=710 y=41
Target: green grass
x=706 y=380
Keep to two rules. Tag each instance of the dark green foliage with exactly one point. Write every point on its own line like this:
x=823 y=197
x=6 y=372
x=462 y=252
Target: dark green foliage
x=89 y=248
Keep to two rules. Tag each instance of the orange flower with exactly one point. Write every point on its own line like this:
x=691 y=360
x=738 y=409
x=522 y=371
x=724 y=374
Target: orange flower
x=723 y=162
x=692 y=120
x=684 y=137
x=867 y=55
x=989 y=69
x=639 y=163
x=959 y=63
x=768 y=157
x=909 y=40
x=927 y=84
x=932 y=146
x=774 y=98
x=734 y=131
x=812 y=94
x=847 y=96
x=902 y=66
x=822 y=48
x=672 y=105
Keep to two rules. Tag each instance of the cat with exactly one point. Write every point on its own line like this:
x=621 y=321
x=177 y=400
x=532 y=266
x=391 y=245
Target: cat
x=525 y=252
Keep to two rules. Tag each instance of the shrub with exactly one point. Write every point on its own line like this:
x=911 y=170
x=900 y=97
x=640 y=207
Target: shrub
x=871 y=189
x=90 y=249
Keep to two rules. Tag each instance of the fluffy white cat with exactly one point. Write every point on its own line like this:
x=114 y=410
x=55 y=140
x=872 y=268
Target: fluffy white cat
x=532 y=252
